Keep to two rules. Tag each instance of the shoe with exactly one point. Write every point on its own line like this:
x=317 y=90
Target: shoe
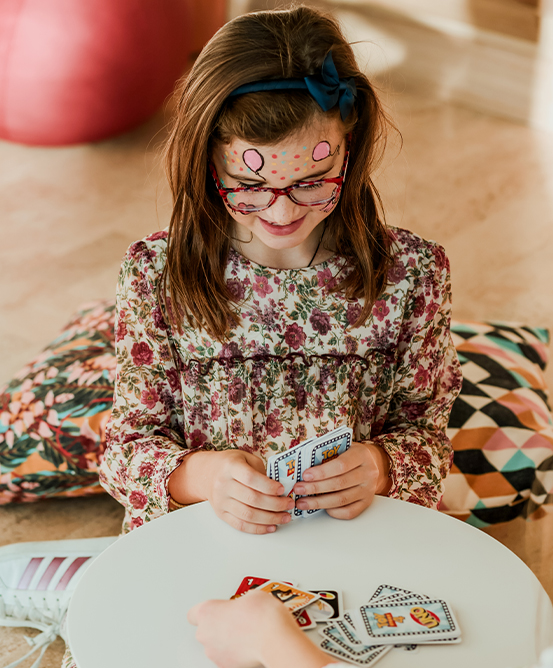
x=36 y=584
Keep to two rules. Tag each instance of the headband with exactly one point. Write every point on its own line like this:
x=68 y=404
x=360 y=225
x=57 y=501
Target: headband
x=328 y=89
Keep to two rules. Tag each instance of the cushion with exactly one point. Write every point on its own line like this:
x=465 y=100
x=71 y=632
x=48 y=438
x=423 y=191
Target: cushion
x=54 y=412
x=53 y=416
x=500 y=426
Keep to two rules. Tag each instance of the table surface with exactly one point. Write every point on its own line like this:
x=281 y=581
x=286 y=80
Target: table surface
x=130 y=606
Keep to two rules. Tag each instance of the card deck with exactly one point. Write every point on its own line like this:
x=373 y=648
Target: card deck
x=369 y=658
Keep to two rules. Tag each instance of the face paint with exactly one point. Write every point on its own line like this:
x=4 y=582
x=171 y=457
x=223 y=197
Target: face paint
x=322 y=151
x=253 y=159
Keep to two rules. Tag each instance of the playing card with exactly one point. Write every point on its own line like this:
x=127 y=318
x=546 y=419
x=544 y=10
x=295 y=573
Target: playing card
x=328 y=607
x=293 y=598
x=332 y=632
x=347 y=628
x=283 y=469
x=319 y=451
x=250 y=582
x=304 y=620
x=388 y=623
x=368 y=658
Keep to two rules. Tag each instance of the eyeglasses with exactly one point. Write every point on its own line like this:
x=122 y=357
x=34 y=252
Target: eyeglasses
x=307 y=193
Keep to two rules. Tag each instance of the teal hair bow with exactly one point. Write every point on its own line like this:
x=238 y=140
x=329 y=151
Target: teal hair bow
x=328 y=90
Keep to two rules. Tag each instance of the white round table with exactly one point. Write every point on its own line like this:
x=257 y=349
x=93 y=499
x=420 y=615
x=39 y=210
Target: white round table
x=130 y=607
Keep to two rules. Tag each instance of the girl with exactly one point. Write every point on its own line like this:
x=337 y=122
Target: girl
x=278 y=305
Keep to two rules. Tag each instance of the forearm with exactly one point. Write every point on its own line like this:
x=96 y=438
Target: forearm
x=382 y=464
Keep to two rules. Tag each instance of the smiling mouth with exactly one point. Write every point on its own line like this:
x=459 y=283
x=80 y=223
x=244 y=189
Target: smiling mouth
x=280 y=224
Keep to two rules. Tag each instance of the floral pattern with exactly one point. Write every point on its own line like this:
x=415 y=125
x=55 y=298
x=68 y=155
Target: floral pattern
x=294 y=367
x=53 y=414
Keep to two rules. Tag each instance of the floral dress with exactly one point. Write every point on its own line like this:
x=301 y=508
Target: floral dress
x=293 y=367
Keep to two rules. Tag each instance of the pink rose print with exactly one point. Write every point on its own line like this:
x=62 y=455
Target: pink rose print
x=419 y=306
x=326 y=279
x=149 y=398
x=421 y=377
x=380 y=309
x=237 y=391
x=320 y=321
x=121 y=328
x=397 y=272
x=294 y=336
x=273 y=425
x=136 y=522
x=173 y=378
x=142 y=354
x=157 y=235
x=353 y=312
x=146 y=470
x=261 y=286
x=138 y=499
x=431 y=310
x=422 y=457
x=196 y=439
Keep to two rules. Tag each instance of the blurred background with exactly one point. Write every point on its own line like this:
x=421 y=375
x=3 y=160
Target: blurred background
x=469 y=84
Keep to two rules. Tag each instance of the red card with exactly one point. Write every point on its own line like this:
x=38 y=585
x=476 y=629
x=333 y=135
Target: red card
x=249 y=582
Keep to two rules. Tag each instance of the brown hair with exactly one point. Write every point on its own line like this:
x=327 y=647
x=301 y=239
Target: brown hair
x=260 y=46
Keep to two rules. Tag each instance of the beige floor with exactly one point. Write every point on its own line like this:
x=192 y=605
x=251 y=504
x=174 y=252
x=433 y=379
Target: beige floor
x=483 y=187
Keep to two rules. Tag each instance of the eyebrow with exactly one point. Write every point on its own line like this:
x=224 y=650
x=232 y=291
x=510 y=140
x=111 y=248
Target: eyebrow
x=242 y=177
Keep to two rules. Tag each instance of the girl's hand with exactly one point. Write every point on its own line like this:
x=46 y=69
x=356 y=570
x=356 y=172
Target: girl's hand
x=346 y=485
x=241 y=634
x=243 y=496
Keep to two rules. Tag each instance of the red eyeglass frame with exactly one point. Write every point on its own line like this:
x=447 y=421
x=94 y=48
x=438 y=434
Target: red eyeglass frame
x=277 y=192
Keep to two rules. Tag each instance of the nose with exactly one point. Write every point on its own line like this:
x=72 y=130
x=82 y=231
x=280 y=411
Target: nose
x=282 y=211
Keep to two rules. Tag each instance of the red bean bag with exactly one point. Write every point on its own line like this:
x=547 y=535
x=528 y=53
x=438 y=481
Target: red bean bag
x=76 y=71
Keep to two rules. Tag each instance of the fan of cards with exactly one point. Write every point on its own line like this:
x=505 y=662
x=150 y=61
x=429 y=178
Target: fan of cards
x=392 y=617
x=288 y=467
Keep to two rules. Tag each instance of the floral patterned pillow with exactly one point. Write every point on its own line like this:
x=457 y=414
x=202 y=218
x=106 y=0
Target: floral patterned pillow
x=500 y=426
x=54 y=412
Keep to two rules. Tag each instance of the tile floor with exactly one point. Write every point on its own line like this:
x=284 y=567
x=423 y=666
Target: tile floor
x=482 y=187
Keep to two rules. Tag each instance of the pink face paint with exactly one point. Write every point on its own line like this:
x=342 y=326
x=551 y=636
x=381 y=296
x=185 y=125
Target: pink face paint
x=322 y=151
x=253 y=159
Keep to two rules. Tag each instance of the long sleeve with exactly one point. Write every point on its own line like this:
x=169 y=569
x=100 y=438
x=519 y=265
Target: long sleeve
x=427 y=381
x=145 y=437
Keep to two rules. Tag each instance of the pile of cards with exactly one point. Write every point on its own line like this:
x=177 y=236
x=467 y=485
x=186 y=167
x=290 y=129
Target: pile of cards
x=288 y=467
x=393 y=617
x=308 y=607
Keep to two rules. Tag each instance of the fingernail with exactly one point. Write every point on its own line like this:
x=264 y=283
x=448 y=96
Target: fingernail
x=302 y=505
x=271 y=529
x=307 y=476
x=299 y=489
x=291 y=504
x=286 y=518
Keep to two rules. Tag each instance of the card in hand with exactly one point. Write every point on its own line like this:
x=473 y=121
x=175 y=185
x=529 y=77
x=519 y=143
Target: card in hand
x=293 y=598
x=319 y=451
x=388 y=623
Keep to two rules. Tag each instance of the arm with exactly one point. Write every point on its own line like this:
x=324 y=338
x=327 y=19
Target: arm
x=427 y=381
x=145 y=437
x=254 y=629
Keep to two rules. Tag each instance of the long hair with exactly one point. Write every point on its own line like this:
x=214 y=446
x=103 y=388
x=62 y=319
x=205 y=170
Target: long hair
x=260 y=46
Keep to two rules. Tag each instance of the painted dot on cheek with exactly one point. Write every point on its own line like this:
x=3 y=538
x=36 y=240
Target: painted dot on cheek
x=312 y=166
x=274 y=156
x=282 y=178
x=274 y=171
x=296 y=156
x=297 y=169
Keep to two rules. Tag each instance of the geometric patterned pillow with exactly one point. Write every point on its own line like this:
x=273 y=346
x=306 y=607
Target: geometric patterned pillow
x=501 y=426
x=53 y=413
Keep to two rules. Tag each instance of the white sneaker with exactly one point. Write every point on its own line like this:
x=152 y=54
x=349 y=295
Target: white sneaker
x=36 y=583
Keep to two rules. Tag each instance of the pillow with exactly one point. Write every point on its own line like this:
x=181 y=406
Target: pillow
x=501 y=426
x=54 y=412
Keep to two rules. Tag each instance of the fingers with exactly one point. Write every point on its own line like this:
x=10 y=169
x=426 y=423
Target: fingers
x=251 y=497
x=357 y=455
x=243 y=472
x=341 y=498
x=195 y=613
x=349 y=512
x=253 y=515
x=248 y=527
x=350 y=479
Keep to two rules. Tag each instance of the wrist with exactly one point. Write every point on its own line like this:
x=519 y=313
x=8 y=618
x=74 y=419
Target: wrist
x=190 y=482
x=382 y=464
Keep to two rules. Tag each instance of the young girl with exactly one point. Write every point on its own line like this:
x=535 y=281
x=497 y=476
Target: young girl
x=278 y=306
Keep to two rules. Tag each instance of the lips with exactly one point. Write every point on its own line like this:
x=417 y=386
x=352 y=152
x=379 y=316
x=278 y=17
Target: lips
x=282 y=230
